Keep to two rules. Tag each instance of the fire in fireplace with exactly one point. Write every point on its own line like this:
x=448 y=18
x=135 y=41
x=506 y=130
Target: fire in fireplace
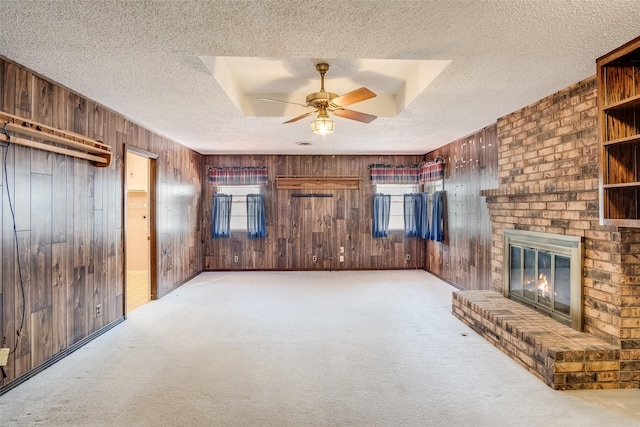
x=544 y=271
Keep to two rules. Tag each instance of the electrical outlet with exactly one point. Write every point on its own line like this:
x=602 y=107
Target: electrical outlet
x=408 y=257
x=235 y=258
x=341 y=258
x=4 y=356
x=98 y=310
x=341 y=249
x=314 y=258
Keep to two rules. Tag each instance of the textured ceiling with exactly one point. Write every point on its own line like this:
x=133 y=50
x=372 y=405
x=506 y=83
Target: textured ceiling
x=172 y=66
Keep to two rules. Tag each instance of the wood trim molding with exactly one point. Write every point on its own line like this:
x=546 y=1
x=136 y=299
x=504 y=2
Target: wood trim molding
x=318 y=182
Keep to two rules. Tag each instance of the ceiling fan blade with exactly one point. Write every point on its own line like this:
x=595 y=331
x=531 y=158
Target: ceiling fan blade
x=352 y=97
x=282 y=102
x=295 y=119
x=355 y=115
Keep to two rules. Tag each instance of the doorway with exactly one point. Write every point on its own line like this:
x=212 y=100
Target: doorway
x=139 y=228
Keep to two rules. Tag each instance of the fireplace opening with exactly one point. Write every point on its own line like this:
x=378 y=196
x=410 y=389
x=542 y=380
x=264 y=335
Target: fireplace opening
x=544 y=271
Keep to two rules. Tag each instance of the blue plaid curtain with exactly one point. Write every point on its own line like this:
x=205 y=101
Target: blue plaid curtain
x=221 y=216
x=256 y=217
x=381 y=210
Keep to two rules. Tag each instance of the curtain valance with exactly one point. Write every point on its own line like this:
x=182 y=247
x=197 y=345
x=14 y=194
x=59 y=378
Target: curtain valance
x=238 y=175
x=431 y=171
x=387 y=174
x=412 y=174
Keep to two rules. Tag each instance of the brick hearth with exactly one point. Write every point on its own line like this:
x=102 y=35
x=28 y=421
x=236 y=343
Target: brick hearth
x=563 y=358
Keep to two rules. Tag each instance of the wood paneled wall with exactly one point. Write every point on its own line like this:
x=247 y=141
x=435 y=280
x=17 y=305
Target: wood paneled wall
x=299 y=228
x=69 y=222
x=464 y=258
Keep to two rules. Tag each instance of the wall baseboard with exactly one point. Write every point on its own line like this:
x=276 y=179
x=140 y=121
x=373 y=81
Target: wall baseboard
x=177 y=285
x=58 y=356
x=334 y=270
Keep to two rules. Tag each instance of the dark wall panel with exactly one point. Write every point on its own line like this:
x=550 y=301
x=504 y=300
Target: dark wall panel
x=464 y=258
x=69 y=222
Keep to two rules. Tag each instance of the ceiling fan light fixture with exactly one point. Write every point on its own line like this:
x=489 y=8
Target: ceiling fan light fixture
x=322 y=126
x=328 y=102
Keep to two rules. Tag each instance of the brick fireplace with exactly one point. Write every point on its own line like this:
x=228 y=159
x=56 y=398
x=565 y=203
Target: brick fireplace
x=548 y=183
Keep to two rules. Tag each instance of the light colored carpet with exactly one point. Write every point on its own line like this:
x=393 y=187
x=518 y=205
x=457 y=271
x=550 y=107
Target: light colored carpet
x=376 y=348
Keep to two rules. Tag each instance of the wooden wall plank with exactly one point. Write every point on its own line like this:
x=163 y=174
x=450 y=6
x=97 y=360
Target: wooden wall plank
x=60 y=279
x=60 y=97
x=80 y=115
x=43 y=99
x=42 y=336
x=22 y=287
x=21 y=187
x=11 y=301
x=80 y=309
x=41 y=268
x=3 y=78
x=23 y=93
x=80 y=214
x=59 y=199
x=98 y=267
x=9 y=87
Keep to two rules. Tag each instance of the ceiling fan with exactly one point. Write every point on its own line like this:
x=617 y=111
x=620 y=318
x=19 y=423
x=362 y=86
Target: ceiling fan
x=324 y=103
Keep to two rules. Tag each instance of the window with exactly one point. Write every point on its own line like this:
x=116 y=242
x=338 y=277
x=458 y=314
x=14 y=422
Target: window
x=397 y=192
x=239 y=203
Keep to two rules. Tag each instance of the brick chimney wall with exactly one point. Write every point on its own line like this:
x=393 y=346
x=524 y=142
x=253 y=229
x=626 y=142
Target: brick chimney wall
x=548 y=182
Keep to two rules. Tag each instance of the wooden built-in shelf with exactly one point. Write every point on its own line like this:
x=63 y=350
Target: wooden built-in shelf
x=634 y=139
x=618 y=85
x=622 y=185
x=318 y=183
x=625 y=104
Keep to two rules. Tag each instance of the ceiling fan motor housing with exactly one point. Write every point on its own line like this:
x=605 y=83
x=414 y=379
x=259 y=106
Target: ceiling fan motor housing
x=319 y=98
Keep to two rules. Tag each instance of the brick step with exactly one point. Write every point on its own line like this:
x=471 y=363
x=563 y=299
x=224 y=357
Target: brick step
x=565 y=359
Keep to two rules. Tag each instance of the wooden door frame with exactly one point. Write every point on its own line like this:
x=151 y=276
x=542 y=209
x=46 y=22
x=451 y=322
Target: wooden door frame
x=153 y=245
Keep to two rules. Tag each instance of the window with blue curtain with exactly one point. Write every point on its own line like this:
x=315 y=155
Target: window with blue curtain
x=397 y=192
x=221 y=216
x=256 y=217
x=381 y=210
x=239 y=205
